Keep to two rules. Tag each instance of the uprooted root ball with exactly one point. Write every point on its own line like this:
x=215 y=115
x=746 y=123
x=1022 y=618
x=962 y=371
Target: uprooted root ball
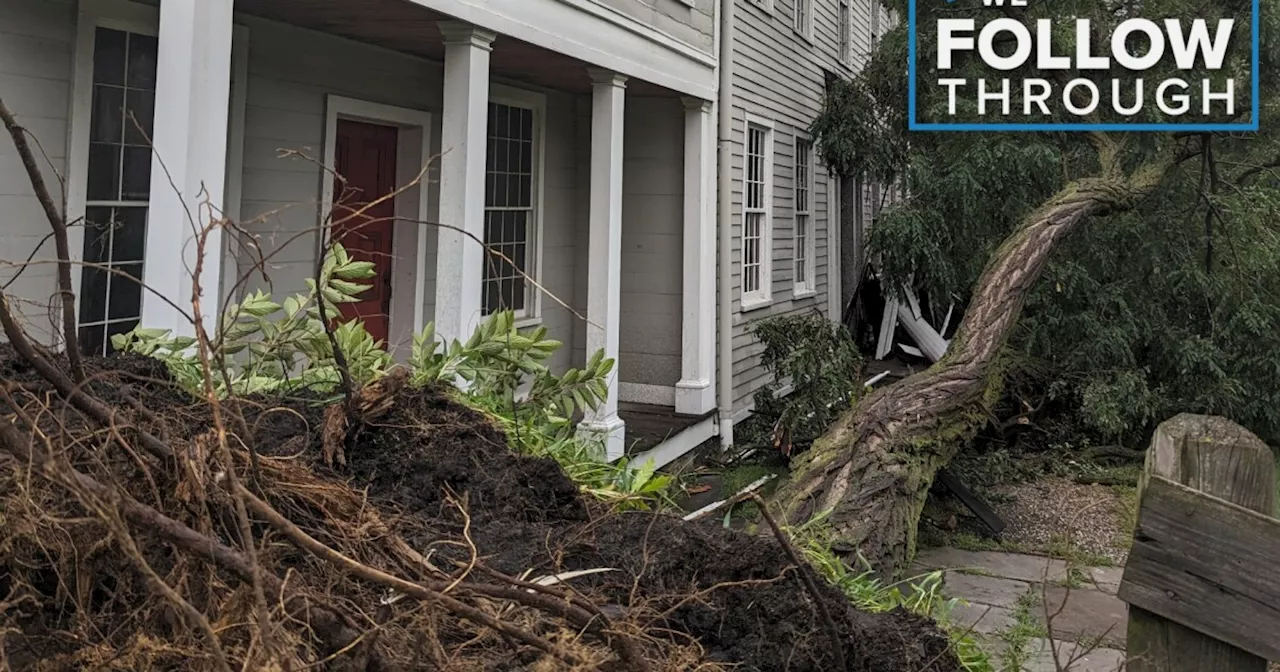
x=430 y=492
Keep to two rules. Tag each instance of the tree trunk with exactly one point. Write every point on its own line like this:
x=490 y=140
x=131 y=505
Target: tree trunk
x=873 y=467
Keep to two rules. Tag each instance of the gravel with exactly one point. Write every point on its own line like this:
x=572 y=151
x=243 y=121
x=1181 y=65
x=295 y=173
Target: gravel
x=1045 y=514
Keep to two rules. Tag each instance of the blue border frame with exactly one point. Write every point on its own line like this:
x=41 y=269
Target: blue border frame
x=914 y=125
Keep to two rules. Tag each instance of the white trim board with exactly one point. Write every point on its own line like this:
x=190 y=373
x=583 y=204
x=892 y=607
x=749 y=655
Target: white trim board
x=415 y=142
x=673 y=448
x=596 y=34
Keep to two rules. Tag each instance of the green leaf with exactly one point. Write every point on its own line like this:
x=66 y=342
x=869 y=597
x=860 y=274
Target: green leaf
x=355 y=270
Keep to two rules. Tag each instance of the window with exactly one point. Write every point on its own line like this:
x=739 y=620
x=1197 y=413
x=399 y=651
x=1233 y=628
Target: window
x=804 y=255
x=118 y=186
x=756 y=246
x=873 y=9
x=509 y=212
x=846 y=37
x=804 y=18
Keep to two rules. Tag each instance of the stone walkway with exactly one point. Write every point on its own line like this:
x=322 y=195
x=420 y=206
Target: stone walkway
x=1004 y=599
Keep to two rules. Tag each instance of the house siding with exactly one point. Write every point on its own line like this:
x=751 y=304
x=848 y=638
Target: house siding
x=291 y=71
x=652 y=242
x=690 y=21
x=37 y=43
x=779 y=76
x=649 y=341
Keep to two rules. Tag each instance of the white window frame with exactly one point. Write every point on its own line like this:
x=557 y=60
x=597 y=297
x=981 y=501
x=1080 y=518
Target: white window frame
x=141 y=19
x=537 y=103
x=803 y=25
x=763 y=295
x=844 y=38
x=808 y=285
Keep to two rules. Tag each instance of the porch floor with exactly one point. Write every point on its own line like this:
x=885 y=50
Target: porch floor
x=648 y=426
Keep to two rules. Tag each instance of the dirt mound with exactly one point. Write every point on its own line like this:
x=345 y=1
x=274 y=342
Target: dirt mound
x=439 y=478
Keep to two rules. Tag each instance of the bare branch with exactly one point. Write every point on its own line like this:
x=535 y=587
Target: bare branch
x=58 y=223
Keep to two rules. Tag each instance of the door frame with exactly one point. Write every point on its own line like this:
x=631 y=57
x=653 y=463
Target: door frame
x=413 y=152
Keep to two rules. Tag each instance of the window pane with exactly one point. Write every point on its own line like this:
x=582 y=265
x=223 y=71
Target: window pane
x=106 y=122
x=91 y=340
x=109 y=56
x=104 y=173
x=125 y=299
x=139 y=112
x=519 y=226
x=93 y=294
x=130 y=236
x=136 y=182
x=490 y=297
x=97 y=235
x=142 y=61
x=502 y=121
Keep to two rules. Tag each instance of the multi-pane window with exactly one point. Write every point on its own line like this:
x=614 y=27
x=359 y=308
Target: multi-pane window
x=846 y=31
x=803 y=17
x=118 y=186
x=873 y=8
x=508 y=208
x=803 y=225
x=755 y=224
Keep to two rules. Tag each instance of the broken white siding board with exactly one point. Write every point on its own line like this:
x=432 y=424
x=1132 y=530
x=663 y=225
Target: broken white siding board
x=931 y=343
x=875 y=379
x=736 y=498
x=946 y=322
x=913 y=303
x=890 y=320
x=913 y=351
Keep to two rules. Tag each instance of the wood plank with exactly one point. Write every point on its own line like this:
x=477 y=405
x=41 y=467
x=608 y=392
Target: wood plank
x=971 y=501
x=1209 y=565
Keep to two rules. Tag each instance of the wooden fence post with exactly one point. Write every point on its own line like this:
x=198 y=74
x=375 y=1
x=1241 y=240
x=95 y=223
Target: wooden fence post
x=1220 y=458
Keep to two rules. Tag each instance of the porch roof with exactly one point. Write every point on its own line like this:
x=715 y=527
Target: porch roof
x=407 y=27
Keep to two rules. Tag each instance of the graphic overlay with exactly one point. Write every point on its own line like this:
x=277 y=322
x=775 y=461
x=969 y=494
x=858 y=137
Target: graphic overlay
x=1014 y=65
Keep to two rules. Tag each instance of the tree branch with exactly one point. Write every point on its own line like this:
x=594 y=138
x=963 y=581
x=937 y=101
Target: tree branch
x=59 y=225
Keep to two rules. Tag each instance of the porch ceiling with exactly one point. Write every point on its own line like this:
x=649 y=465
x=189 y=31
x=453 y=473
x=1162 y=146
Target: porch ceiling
x=404 y=26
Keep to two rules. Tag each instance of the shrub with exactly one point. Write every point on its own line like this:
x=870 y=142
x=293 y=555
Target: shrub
x=820 y=362
x=264 y=347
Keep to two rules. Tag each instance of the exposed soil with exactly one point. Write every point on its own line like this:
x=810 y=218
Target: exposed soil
x=426 y=461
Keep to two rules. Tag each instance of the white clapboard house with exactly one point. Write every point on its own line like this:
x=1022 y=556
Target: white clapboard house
x=580 y=137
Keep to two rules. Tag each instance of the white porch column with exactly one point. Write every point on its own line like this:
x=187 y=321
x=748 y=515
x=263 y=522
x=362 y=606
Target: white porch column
x=696 y=391
x=604 y=284
x=459 y=258
x=188 y=165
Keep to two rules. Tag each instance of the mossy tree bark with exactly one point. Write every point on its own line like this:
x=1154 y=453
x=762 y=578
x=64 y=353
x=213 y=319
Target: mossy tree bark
x=873 y=467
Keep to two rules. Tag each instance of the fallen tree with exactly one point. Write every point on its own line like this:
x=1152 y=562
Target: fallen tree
x=870 y=473
x=874 y=466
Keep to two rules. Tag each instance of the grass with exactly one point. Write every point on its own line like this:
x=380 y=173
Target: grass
x=1024 y=629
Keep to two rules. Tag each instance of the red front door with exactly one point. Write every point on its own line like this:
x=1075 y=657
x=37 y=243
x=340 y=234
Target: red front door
x=366 y=157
